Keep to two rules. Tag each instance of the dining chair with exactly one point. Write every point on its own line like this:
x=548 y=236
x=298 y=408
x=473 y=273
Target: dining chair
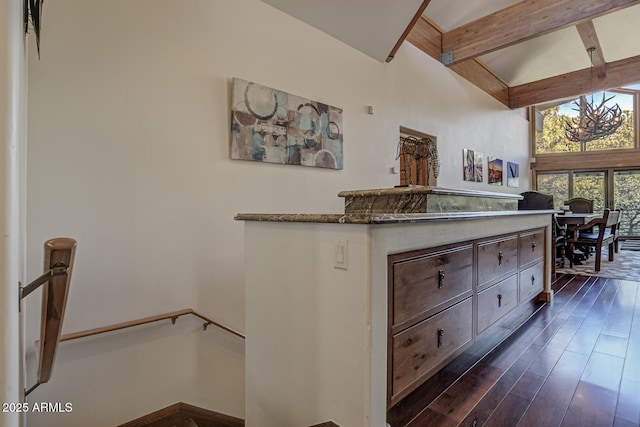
x=581 y=236
x=580 y=205
x=616 y=230
x=534 y=200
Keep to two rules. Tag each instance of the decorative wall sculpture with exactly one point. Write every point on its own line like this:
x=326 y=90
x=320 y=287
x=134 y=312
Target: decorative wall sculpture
x=418 y=154
x=269 y=125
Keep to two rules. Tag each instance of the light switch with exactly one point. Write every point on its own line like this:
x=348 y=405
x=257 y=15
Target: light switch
x=341 y=251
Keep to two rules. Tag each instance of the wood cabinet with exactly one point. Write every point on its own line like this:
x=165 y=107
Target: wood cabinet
x=496 y=301
x=338 y=335
x=421 y=348
x=497 y=258
x=424 y=281
x=531 y=247
x=442 y=298
x=531 y=281
x=531 y=252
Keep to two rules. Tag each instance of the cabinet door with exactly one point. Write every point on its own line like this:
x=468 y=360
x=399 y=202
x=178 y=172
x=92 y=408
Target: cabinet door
x=531 y=247
x=418 y=351
x=531 y=282
x=427 y=282
x=496 y=301
x=497 y=259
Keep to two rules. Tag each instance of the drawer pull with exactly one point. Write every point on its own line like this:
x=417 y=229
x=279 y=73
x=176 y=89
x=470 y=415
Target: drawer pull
x=500 y=257
x=440 y=334
x=533 y=279
x=440 y=278
x=533 y=246
x=499 y=300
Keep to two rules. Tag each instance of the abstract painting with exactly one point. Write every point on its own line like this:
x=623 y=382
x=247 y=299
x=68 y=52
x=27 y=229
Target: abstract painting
x=494 y=165
x=513 y=174
x=472 y=165
x=269 y=125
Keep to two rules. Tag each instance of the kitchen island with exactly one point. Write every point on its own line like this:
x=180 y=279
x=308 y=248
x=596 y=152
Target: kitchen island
x=346 y=314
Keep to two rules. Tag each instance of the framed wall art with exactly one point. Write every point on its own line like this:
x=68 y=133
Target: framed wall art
x=472 y=165
x=513 y=174
x=494 y=166
x=270 y=125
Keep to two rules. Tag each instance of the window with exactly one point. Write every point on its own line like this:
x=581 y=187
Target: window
x=590 y=185
x=567 y=185
x=626 y=192
x=607 y=188
x=551 y=122
x=556 y=184
x=605 y=170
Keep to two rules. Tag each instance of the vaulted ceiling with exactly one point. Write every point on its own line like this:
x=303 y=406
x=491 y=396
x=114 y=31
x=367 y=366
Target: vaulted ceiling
x=520 y=52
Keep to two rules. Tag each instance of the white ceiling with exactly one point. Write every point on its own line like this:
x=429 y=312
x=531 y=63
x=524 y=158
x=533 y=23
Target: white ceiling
x=545 y=56
x=370 y=26
x=563 y=51
x=374 y=27
x=450 y=14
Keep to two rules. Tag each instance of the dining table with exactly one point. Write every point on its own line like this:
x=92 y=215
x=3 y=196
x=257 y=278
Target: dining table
x=576 y=218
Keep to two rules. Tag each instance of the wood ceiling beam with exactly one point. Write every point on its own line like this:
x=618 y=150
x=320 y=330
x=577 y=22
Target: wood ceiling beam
x=619 y=73
x=428 y=38
x=521 y=22
x=407 y=30
x=475 y=72
x=590 y=40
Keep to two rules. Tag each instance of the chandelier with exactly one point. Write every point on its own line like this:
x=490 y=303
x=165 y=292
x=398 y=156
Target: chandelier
x=593 y=121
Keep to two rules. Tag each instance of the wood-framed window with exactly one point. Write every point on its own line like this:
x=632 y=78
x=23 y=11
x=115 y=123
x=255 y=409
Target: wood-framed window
x=553 y=151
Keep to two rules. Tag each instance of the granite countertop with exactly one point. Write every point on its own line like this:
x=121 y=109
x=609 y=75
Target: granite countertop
x=427 y=190
x=377 y=218
x=409 y=205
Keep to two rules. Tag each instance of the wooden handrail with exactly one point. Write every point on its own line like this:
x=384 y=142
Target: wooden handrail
x=59 y=255
x=173 y=316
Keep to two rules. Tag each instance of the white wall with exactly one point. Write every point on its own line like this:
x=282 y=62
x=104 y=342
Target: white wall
x=129 y=155
x=309 y=330
x=12 y=165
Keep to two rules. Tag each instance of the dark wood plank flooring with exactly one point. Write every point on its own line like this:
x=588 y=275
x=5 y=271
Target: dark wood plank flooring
x=574 y=362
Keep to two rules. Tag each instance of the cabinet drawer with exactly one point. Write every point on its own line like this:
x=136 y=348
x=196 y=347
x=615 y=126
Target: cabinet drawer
x=419 y=350
x=497 y=258
x=531 y=281
x=496 y=301
x=531 y=247
x=424 y=283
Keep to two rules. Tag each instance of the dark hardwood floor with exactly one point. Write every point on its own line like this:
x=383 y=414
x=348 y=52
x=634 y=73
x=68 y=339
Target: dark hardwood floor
x=575 y=362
